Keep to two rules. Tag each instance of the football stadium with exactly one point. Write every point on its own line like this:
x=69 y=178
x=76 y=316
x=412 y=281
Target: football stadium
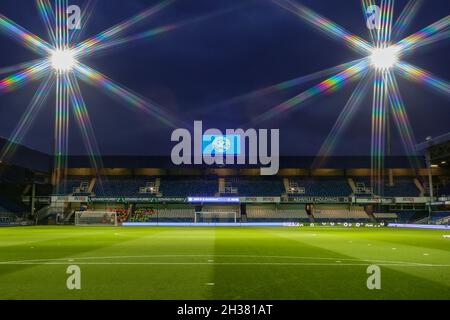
x=337 y=187
x=224 y=233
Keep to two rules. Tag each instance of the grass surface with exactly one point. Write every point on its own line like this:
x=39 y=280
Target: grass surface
x=223 y=263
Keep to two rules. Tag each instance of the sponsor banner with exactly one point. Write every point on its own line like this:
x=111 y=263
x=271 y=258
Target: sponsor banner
x=373 y=200
x=318 y=199
x=27 y=199
x=77 y=199
x=137 y=200
x=260 y=199
x=412 y=200
x=348 y=224
x=213 y=199
x=419 y=226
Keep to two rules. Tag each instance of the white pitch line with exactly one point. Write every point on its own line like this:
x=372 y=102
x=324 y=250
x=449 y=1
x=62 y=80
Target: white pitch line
x=230 y=264
x=210 y=256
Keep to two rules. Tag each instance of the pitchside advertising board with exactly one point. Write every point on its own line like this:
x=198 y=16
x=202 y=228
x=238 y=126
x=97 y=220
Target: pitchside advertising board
x=224 y=200
x=412 y=200
x=234 y=199
x=318 y=199
x=137 y=200
x=71 y=199
x=397 y=200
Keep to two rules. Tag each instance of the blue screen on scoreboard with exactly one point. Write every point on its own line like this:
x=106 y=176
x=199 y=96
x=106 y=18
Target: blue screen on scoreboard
x=221 y=144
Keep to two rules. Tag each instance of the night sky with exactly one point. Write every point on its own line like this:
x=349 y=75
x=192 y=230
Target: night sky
x=242 y=46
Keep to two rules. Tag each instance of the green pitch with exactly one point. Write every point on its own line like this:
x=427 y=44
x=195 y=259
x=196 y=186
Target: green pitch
x=223 y=263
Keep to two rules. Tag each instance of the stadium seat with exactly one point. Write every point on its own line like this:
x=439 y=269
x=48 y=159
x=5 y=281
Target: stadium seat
x=122 y=186
x=257 y=186
x=188 y=186
x=323 y=187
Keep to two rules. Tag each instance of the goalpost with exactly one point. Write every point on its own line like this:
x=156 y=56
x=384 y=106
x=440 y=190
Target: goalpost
x=216 y=216
x=95 y=218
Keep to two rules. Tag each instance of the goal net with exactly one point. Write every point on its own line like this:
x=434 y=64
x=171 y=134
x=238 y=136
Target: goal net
x=217 y=216
x=95 y=218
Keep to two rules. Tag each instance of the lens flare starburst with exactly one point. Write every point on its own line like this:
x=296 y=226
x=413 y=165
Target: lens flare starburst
x=384 y=58
x=63 y=60
x=62 y=67
x=382 y=61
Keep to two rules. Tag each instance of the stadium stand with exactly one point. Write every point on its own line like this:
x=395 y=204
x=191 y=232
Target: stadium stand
x=188 y=186
x=126 y=186
x=407 y=216
x=388 y=216
x=362 y=186
x=75 y=185
x=320 y=187
x=339 y=213
x=254 y=186
x=262 y=213
x=403 y=187
x=440 y=217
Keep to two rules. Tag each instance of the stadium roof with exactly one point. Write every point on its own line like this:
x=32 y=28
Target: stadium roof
x=38 y=161
x=28 y=158
x=434 y=141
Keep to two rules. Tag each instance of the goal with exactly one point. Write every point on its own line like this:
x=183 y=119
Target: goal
x=217 y=216
x=95 y=218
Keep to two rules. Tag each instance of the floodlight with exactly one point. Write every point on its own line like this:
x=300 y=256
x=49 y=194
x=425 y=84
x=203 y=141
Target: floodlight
x=384 y=58
x=63 y=60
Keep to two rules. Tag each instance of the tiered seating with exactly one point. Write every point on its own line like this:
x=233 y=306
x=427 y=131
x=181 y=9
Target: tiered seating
x=337 y=213
x=363 y=186
x=323 y=187
x=386 y=216
x=440 y=216
x=75 y=185
x=403 y=187
x=220 y=208
x=188 y=186
x=271 y=213
x=405 y=216
x=257 y=186
x=122 y=186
